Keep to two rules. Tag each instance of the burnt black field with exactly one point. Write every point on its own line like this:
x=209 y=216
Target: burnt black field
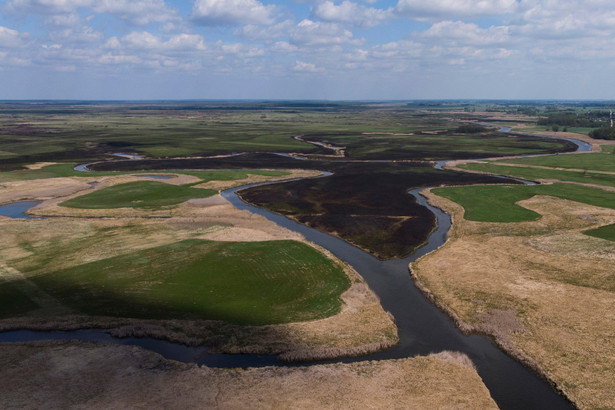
x=364 y=203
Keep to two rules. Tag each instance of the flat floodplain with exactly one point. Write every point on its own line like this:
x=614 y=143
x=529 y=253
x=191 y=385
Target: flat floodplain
x=246 y=283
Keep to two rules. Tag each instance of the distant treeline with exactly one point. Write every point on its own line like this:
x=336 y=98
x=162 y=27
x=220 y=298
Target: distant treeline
x=571 y=119
x=603 y=133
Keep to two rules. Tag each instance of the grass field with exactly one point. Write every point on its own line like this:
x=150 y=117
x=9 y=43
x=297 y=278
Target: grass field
x=542 y=128
x=493 y=203
x=533 y=174
x=140 y=194
x=604 y=161
x=238 y=282
x=604 y=232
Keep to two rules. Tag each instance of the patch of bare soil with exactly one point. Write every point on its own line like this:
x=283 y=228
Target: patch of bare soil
x=79 y=375
x=542 y=289
x=39 y=165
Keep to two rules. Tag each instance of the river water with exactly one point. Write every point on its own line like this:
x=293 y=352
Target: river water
x=423 y=328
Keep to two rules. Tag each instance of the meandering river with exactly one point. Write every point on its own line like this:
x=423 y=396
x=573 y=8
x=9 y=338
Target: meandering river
x=423 y=328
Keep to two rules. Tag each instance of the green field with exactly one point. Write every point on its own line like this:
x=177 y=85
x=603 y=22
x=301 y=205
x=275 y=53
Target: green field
x=533 y=174
x=605 y=232
x=139 y=194
x=239 y=282
x=544 y=128
x=497 y=203
x=586 y=161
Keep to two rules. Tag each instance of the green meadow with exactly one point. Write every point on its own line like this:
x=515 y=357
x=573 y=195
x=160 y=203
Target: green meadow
x=138 y=194
x=497 y=203
x=239 y=282
x=533 y=174
x=605 y=232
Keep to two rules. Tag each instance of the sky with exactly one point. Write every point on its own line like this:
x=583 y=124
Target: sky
x=307 y=49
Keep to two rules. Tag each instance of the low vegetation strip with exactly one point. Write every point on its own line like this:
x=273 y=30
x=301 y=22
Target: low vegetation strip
x=140 y=194
x=238 y=282
x=497 y=203
x=68 y=170
x=604 y=161
x=583 y=177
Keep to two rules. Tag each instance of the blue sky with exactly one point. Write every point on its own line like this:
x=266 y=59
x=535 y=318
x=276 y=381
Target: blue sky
x=307 y=49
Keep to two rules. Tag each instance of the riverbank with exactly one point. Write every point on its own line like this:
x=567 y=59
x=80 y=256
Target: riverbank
x=549 y=303
x=66 y=374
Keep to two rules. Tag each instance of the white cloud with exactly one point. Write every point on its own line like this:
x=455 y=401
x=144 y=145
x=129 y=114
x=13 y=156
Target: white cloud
x=306 y=67
x=139 y=12
x=48 y=6
x=284 y=47
x=9 y=38
x=146 y=41
x=230 y=12
x=270 y=32
x=310 y=33
x=352 y=13
x=118 y=59
x=421 y=9
x=466 y=33
x=79 y=34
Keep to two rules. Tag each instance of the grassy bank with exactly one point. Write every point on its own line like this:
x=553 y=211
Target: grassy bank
x=542 y=288
x=493 y=203
x=605 y=232
x=140 y=194
x=247 y=283
x=534 y=174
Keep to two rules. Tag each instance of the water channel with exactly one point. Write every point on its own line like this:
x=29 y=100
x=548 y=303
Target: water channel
x=423 y=328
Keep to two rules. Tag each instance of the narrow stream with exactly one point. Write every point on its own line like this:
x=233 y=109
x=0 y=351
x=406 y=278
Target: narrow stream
x=423 y=328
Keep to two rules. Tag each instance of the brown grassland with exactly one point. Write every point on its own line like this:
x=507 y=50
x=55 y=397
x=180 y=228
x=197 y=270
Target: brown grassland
x=69 y=374
x=542 y=289
x=361 y=326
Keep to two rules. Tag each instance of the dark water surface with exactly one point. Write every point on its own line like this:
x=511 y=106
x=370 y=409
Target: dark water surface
x=17 y=210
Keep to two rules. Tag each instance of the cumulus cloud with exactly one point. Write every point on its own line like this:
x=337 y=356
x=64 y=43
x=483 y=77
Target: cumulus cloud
x=269 y=32
x=9 y=38
x=148 y=42
x=311 y=33
x=47 y=6
x=466 y=33
x=352 y=13
x=231 y=12
x=420 y=9
x=306 y=67
x=139 y=12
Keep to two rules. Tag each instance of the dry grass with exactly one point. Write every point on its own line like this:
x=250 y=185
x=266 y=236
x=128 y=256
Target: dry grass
x=542 y=289
x=79 y=375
